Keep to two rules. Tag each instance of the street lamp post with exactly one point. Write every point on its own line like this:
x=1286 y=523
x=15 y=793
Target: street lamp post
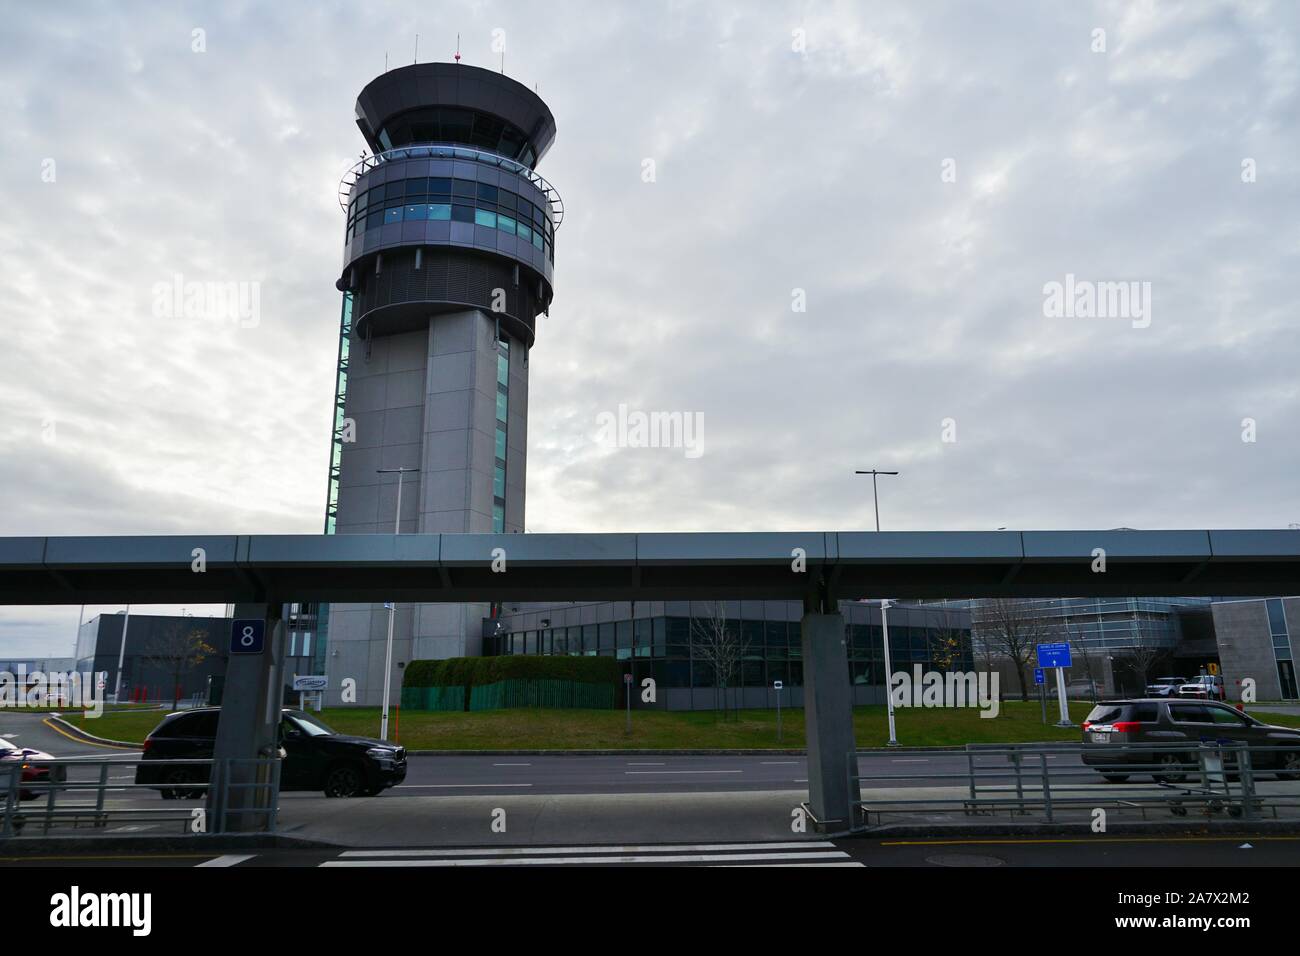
x=392 y=605
x=885 y=605
x=874 y=498
x=121 y=658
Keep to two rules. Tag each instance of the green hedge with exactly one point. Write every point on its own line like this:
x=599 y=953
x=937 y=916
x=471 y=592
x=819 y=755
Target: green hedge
x=478 y=671
x=481 y=683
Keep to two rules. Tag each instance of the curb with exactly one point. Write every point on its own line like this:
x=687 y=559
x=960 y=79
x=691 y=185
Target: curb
x=35 y=846
x=938 y=832
x=72 y=730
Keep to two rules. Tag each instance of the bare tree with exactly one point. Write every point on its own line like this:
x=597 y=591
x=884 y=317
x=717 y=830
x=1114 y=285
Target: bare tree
x=1081 y=658
x=719 y=645
x=1012 y=629
x=947 y=640
x=177 y=651
x=1143 y=654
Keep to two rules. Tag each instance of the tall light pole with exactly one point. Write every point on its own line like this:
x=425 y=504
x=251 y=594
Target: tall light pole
x=388 y=651
x=885 y=605
x=121 y=658
x=875 y=499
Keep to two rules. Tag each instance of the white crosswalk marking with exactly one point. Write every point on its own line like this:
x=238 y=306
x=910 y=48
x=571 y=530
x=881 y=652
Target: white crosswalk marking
x=794 y=853
x=233 y=859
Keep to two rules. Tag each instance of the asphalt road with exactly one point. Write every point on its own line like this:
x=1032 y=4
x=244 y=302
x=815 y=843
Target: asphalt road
x=474 y=775
x=28 y=729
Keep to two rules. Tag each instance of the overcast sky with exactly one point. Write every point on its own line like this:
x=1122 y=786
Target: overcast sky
x=916 y=173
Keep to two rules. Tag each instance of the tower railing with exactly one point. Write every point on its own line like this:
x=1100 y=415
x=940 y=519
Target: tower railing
x=442 y=151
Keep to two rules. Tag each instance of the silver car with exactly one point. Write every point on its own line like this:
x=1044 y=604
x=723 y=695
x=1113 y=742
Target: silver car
x=1180 y=727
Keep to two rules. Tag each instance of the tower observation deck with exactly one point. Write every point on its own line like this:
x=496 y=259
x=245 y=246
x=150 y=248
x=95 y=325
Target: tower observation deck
x=448 y=258
x=448 y=208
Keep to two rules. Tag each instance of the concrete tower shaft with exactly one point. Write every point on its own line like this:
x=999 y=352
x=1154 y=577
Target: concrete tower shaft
x=448 y=258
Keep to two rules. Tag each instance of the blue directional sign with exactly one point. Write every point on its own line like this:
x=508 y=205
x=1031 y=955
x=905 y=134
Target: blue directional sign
x=1039 y=677
x=247 y=636
x=1054 y=655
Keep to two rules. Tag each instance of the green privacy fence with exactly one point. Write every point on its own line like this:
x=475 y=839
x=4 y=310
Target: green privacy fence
x=433 y=698
x=541 y=693
x=490 y=683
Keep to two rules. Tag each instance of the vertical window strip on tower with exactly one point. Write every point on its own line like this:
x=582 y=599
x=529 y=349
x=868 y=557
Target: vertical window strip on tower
x=503 y=404
x=340 y=401
x=318 y=614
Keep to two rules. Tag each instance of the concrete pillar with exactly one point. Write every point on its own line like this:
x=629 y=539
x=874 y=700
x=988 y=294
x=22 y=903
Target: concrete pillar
x=249 y=724
x=828 y=719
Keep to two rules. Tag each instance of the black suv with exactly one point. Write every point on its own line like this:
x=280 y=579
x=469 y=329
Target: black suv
x=315 y=757
x=1174 y=724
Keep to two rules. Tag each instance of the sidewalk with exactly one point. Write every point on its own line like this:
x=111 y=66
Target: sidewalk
x=724 y=817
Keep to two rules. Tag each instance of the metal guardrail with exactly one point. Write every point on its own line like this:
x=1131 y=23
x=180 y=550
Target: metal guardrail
x=85 y=786
x=441 y=151
x=1017 y=779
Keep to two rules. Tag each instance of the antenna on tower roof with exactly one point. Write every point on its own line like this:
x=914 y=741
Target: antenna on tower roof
x=385 y=61
x=458 y=49
x=503 y=61
x=417 y=49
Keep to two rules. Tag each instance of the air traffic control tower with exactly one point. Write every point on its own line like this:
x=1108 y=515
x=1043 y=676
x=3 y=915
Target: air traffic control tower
x=448 y=259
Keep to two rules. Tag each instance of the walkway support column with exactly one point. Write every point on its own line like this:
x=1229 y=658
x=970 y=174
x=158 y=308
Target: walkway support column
x=251 y=703
x=828 y=720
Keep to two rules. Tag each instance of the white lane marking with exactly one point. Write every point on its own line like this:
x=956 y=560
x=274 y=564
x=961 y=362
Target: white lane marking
x=233 y=859
x=632 y=763
x=683 y=771
x=910 y=760
x=589 y=860
x=801 y=780
x=636 y=848
x=448 y=786
x=512 y=765
x=778 y=763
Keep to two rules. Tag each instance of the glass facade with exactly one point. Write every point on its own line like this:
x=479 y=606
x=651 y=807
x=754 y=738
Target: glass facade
x=340 y=400
x=456 y=200
x=1109 y=623
x=1281 y=638
x=667 y=647
x=447 y=124
x=308 y=624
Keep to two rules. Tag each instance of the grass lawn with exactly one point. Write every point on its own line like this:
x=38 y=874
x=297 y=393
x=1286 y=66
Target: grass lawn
x=539 y=729
x=663 y=730
x=130 y=724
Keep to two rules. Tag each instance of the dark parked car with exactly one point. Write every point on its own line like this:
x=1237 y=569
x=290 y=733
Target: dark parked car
x=30 y=768
x=1176 y=724
x=314 y=757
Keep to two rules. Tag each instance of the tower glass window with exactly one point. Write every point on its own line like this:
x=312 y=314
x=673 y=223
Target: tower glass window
x=480 y=203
